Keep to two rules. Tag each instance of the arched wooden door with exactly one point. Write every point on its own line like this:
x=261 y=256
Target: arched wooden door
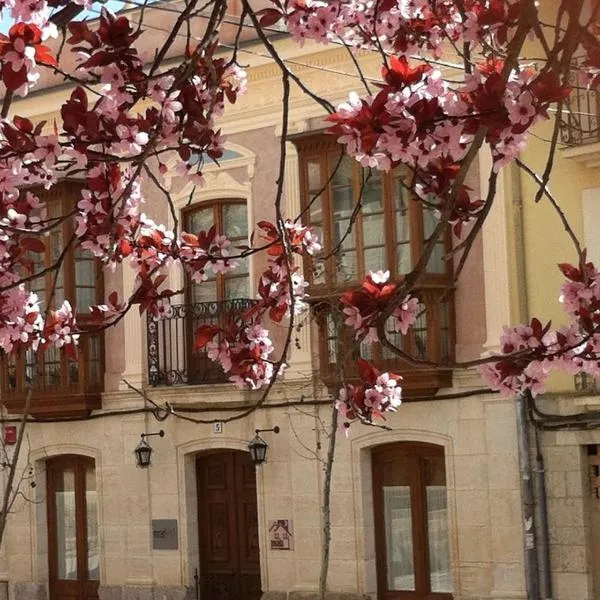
x=411 y=522
x=228 y=527
x=72 y=528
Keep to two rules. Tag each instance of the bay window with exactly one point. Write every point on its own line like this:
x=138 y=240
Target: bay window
x=369 y=221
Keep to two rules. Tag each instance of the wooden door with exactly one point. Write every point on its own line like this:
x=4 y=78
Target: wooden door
x=228 y=527
x=72 y=528
x=411 y=522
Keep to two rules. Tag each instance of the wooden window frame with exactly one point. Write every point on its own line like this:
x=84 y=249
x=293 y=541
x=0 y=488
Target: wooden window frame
x=217 y=206
x=317 y=148
x=65 y=398
x=416 y=452
x=419 y=381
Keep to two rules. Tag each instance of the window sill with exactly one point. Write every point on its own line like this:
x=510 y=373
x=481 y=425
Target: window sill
x=55 y=404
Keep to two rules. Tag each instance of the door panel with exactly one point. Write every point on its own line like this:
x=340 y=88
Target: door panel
x=72 y=528
x=228 y=527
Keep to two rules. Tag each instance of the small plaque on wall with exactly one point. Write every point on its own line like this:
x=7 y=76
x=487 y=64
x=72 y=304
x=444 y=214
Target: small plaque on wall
x=164 y=534
x=281 y=534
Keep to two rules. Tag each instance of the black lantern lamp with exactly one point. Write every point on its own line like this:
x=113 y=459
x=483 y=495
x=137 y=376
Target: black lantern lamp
x=258 y=447
x=143 y=451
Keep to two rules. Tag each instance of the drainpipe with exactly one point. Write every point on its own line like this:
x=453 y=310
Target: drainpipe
x=530 y=550
x=543 y=513
x=523 y=307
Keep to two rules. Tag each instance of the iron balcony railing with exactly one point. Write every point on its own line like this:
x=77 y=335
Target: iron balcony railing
x=580 y=116
x=171 y=360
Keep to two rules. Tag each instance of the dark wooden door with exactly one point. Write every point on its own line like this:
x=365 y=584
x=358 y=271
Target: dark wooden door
x=228 y=527
x=411 y=522
x=72 y=528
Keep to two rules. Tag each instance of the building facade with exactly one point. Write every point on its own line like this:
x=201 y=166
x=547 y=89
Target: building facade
x=432 y=508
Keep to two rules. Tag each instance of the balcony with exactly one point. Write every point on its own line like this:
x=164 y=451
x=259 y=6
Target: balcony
x=60 y=387
x=580 y=125
x=429 y=340
x=170 y=341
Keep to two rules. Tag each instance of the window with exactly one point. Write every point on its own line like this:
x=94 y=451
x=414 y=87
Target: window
x=411 y=522
x=370 y=217
x=171 y=359
x=388 y=231
x=60 y=385
x=230 y=218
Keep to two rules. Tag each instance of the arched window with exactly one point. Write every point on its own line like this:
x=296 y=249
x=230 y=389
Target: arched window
x=230 y=218
x=411 y=522
x=60 y=385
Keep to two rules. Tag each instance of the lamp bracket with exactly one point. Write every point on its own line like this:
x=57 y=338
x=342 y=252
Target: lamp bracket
x=273 y=429
x=160 y=433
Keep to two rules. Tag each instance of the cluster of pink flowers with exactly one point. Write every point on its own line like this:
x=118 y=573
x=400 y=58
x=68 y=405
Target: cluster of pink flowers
x=533 y=351
x=367 y=402
x=401 y=26
x=416 y=119
x=363 y=307
x=243 y=347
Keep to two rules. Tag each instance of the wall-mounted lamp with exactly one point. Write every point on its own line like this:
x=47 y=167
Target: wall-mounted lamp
x=143 y=451
x=258 y=447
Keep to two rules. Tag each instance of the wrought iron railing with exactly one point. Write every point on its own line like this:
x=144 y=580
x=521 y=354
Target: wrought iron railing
x=580 y=123
x=430 y=341
x=170 y=342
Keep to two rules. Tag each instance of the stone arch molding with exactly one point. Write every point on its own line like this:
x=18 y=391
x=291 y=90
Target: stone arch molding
x=38 y=515
x=218 y=181
x=362 y=492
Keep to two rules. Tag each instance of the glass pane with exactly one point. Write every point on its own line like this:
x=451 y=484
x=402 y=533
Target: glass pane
x=52 y=366
x=85 y=297
x=420 y=331
x=236 y=288
x=398 y=538
x=436 y=262
x=314 y=176
x=204 y=292
x=92 y=525
x=66 y=525
x=342 y=203
x=403 y=259
x=200 y=220
x=437 y=524
x=344 y=173
x=235 y=220
x=395 y=337
x=94 y=359
x=375 y=259
x=373 y=229
x=372 y=198
x=84 y=272
x=73 y=371
x=346 y=265
x=316 y=210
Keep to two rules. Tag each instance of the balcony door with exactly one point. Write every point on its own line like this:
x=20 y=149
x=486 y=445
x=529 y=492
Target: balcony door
x=211 y=302
x=72 y=528
x=411 y=522
x=228 y=527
